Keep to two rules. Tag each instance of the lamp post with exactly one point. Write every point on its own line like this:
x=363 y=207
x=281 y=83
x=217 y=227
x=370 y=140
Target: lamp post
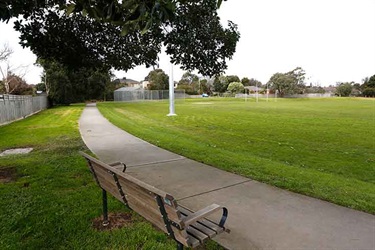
x=171 y=93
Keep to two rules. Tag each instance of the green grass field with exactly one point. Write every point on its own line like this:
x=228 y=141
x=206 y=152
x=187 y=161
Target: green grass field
x=319 y=147
x=52 y=199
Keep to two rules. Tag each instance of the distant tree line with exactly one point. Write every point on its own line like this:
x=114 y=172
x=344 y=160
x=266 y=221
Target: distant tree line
x=293 y=82
x=366 y=89
x=284 y=84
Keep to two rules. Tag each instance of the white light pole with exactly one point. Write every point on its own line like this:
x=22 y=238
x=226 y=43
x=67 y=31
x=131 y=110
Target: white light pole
x=171 y=93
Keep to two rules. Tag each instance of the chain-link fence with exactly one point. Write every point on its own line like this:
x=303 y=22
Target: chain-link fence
x=14 y=107
x=144 y=95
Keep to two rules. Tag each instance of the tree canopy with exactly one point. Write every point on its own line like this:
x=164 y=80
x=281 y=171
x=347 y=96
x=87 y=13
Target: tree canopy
x=344 y=89
x=235 y=87
x=233 y=78
x=368 y=87
x=124 y=34
x=291 y=82
x=130 y=14
x=221 y=84
x=158 y=79
x=64 y=85
x=190 y=83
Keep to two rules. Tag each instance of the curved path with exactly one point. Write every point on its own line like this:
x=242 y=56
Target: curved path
x=260 y=216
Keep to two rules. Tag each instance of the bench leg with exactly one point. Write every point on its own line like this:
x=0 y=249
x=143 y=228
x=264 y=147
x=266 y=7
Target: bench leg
x=105 y=209
x=180 y=246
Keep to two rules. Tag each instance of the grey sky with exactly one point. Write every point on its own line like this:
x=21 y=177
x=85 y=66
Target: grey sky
x=333 y=40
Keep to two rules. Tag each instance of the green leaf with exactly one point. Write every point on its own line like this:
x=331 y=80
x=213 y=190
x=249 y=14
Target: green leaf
x=147 y=27
x=70 y=8
x=125 y=30
x=219 y=2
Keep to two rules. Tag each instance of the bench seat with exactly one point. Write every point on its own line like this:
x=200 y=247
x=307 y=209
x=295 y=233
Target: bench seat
x=186 y=227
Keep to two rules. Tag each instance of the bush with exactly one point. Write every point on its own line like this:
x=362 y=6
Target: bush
x=235 y=87
x=369 y=92
x=344 y=89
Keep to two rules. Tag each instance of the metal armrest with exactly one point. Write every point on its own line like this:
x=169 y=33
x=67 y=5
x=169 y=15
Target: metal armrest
x=194 y=217
x=114 y=164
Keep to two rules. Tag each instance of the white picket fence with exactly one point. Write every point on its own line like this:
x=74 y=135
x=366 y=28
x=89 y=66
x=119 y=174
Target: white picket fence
x=15 y=107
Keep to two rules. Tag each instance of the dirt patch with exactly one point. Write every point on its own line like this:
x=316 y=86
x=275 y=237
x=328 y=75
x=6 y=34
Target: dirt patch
x=16 y=151
x=7 y=174
x=116 y=220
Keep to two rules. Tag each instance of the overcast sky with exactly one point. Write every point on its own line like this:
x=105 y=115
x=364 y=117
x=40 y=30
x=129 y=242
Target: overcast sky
x=333 y=40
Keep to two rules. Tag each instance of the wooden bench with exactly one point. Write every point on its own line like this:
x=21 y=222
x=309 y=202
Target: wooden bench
x=186 y=227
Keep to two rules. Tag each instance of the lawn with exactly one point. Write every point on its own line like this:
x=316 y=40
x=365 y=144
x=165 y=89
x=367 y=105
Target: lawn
x=52 y=200
x=319 y=147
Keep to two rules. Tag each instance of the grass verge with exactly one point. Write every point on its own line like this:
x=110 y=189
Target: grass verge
x=50 y=201
x=322 y=148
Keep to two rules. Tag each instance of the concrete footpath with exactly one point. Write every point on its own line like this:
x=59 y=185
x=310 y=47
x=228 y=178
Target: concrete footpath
x=260 y=216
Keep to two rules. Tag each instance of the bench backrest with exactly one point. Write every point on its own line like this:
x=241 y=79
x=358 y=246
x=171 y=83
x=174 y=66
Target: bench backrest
x=141 y=197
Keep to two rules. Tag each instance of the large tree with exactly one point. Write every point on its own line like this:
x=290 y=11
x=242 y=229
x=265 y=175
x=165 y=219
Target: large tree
x=88 y=33
x=189 y=78
x=76 y=41
x=130 y=14
x=64 y=85
x=368 y=87
x=344 y=89
x=11 y=76
x=233 y=78
x=158 y=80
x=220 y=84
x=291 y=82
x=254 y=82
x=16 y=85
x=190 y=83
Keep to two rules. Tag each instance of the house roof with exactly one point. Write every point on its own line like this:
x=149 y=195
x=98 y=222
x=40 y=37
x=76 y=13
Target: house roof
x=128 y=89
x=128 y=80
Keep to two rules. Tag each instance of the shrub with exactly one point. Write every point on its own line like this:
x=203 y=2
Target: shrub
x=235 y=87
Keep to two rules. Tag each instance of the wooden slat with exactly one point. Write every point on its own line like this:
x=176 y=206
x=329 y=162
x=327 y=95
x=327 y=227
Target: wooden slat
x=207 y=231
x=191 y=218
x=149 y=198
x=129 y=188
x=131 y=178
x=192 y=242
x=197 y=234
x=106 y=180
x=107 y=183
x=156 y=219
x=208 y=223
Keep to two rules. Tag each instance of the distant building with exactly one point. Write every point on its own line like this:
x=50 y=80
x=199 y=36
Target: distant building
x=145 y=84
x=129 y=82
